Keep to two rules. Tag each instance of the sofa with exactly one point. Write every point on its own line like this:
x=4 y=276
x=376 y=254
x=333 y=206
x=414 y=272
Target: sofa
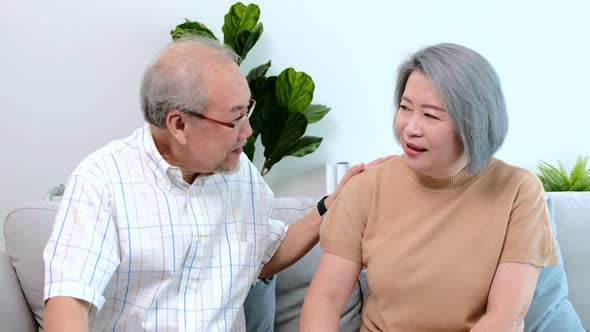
x=27 y=228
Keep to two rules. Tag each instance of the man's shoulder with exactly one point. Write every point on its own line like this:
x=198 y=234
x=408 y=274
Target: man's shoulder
x=113 y=154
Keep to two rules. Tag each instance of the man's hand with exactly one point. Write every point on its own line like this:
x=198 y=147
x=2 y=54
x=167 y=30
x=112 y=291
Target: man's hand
x=356 y=169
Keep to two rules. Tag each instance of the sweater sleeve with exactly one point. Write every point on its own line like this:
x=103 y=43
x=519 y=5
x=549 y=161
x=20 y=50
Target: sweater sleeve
x=344 y=224
x=529 y=238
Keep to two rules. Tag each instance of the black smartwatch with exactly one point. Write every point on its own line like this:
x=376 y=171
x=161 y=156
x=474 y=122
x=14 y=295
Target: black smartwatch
x=322 y=207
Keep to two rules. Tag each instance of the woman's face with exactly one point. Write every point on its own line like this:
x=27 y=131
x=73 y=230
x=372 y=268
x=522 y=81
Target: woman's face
x=426 y=132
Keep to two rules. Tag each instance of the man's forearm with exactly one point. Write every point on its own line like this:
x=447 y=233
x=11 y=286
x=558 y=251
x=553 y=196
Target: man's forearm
x=65 y=314
x=301 y=237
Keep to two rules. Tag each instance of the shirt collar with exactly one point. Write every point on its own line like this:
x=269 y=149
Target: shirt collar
x=166 y=174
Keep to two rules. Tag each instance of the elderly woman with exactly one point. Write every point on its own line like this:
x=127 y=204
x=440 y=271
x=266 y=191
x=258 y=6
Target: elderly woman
x=452 y=238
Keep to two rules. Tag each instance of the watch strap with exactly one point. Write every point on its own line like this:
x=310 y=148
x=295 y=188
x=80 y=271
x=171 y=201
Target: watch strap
x=322 y=207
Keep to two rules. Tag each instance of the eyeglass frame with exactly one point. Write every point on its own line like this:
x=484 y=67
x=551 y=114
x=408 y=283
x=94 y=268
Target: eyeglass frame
x=237 y=122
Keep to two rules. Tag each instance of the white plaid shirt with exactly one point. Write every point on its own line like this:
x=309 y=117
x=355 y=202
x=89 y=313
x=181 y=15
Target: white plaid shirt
x=153 y=253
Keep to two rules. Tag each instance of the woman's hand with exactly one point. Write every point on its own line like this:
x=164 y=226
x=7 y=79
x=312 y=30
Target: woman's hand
x=356 y=169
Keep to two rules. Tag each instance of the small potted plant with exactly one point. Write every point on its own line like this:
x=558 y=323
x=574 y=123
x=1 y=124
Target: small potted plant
x=558 y=179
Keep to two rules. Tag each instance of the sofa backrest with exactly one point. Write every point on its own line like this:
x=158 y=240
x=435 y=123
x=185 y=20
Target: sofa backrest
x=26 y=232
x=15 y=314
x=572 y=219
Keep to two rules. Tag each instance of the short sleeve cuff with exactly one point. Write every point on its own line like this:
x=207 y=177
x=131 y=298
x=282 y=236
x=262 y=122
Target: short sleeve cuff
x=76 y=290
x=537 y=258
x=277 y=230
x=341 y=249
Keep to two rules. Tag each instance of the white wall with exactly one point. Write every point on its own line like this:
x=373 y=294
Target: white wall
x=70 y=71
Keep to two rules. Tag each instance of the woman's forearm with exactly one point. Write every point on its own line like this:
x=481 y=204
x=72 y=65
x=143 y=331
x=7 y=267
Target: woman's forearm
x=492 y=321
x=319 y=314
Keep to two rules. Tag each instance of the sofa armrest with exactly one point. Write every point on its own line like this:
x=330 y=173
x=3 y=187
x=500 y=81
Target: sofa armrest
x=15 y=313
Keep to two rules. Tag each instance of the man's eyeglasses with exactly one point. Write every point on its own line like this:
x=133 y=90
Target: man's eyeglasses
x=236 y=123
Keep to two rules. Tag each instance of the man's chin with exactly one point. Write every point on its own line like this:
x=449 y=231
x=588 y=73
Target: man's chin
x=229 y=165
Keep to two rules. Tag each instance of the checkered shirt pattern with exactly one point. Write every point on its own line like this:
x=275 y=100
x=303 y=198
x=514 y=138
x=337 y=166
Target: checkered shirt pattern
x=153 y=253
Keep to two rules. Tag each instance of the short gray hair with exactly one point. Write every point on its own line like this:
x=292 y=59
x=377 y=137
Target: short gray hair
x=470 y=88
x=174 y=79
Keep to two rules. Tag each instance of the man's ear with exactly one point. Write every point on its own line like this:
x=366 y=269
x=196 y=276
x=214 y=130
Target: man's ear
x=177 y=126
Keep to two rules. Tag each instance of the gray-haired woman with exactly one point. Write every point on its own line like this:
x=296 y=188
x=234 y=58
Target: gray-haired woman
x=452 y=238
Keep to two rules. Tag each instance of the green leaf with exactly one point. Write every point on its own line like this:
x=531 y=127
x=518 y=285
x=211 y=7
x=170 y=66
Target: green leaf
x=558 y=179
x=263 y=91
x=315 y=112
x=273 y=121
x=191 y=29
x=294 y=90
x=249 y=147
x=246 y=41
x=259 y=71
x=239 y=19
x=303 y=146
x=293 y=128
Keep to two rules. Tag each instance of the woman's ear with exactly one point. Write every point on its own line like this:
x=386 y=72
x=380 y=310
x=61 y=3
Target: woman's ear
x=177 y=126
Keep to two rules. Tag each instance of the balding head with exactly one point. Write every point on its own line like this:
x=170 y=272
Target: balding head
x=175 y=80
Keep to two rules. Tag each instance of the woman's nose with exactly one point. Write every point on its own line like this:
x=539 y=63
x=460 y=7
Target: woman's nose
x=413 y=126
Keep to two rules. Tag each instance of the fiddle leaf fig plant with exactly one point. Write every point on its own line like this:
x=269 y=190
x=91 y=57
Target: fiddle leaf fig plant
x=283 y=103
x=558 y=179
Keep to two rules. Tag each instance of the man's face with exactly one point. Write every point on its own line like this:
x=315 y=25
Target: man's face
x=212 y=147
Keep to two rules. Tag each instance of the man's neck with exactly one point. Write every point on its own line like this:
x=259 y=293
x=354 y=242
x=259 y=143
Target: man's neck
x=164 y=145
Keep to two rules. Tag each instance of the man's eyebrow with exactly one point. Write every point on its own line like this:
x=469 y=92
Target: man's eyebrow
x=238 y=108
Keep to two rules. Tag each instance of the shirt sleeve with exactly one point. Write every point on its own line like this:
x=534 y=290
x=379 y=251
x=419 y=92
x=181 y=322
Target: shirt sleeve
x=82 y=252
x=344 y=224
x=277 y=230
x=529 y=238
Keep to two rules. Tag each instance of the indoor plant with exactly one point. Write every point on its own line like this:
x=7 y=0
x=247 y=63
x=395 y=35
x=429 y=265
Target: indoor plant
x=558 y=179
x=283 y=103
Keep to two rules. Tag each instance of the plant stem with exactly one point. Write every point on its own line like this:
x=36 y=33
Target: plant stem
x=265 y=169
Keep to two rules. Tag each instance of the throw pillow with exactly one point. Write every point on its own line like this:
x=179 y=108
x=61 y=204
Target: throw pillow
x=550 y=310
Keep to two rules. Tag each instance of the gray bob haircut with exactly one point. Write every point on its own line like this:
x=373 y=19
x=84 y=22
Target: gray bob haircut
x=470 y=88
x=174 y=79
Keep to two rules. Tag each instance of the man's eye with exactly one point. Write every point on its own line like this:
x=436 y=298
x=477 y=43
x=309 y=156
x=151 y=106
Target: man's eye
x=404 y=108
x=238 y=119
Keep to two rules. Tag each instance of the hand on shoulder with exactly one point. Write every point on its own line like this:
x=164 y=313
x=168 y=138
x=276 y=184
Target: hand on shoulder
x=354 y=170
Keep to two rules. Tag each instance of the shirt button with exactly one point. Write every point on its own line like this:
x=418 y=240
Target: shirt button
x=192 y=284
x=201 y=239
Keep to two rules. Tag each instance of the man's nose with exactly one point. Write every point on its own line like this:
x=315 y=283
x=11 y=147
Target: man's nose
x=245 y=130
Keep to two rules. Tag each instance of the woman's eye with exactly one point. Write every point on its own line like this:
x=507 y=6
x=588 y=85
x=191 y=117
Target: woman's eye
x=430 y=116
x=404 y=108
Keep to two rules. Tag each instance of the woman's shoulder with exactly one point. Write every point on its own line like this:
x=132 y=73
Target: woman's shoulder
x=372 y=176
x=512 y=175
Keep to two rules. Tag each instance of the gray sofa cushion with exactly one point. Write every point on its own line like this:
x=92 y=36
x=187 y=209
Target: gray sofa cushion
x=15 y=314
x=550 y=303
x=572 y=219
x=26 y=232
x=292 y=283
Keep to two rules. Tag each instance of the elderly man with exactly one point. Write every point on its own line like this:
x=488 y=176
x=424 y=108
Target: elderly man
x=168 y=228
